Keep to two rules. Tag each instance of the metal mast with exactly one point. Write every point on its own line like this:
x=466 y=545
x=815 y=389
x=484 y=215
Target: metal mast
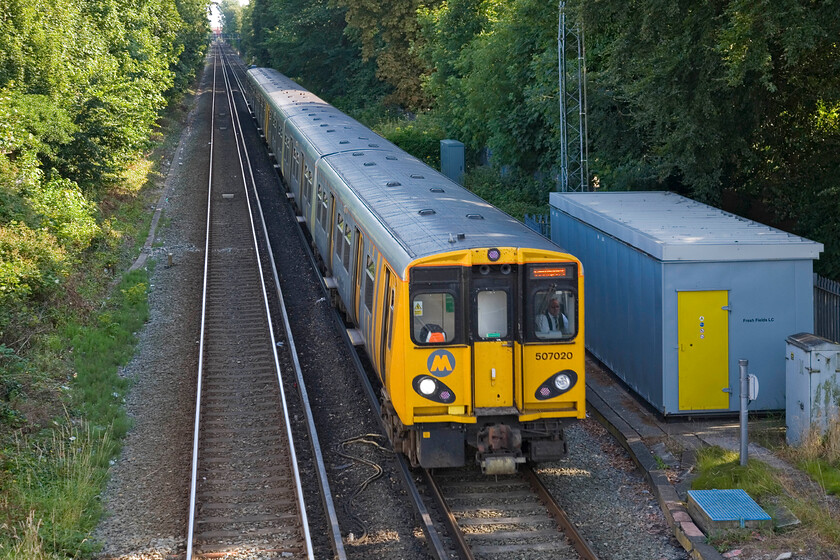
x=574 y=153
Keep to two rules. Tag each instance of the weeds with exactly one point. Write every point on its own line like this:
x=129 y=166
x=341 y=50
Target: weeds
x=720 y=468
x=56 y=476
x=820 y=525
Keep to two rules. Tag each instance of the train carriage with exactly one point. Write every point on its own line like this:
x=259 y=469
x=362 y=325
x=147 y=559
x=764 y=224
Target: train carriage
x=451 y=296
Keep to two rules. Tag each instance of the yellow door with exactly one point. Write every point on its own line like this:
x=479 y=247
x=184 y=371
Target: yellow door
x=703 y=325
x=492 y=347
x=493 y=374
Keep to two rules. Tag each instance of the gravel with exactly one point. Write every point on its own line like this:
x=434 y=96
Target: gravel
x=146 y=497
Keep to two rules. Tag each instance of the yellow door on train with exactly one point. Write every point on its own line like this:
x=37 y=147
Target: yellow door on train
x=703 y=331
x=492 y=350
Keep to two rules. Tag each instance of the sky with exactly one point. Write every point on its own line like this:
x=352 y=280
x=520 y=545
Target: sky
x=214 y=14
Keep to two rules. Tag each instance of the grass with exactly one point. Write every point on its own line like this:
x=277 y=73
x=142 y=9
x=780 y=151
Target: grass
x=53 y=477
x=62 y=415
x=819 y=529
x=721 y=469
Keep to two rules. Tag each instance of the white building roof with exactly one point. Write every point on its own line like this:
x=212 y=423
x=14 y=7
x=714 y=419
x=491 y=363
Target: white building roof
x=671 y=227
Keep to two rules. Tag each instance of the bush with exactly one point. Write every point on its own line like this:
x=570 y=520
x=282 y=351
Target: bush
x=66 y=213
x=32 y=263
x=513 y=193
x=419 y=137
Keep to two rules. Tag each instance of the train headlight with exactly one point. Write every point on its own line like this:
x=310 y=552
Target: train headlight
x=555 y=385
x=562 y=382
x=427 y=386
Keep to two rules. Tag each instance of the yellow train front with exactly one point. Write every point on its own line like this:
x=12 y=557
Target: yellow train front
x=490 y=352
x=473 y=322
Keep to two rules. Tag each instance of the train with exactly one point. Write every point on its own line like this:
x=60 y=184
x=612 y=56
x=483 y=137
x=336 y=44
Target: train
x=473 y=323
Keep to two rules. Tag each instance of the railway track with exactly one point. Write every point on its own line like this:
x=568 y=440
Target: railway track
x=505 y=515
x=488 y=518
x=246 y=490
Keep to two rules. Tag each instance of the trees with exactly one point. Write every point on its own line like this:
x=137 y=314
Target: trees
x=82 y=83
x=721 y=98
x=309 y=41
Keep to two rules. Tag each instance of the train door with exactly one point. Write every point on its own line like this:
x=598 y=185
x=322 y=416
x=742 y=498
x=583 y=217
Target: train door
x=358 y=275
x=390 y=288
x=328 y=229
x=703 y=331
x=492 y=335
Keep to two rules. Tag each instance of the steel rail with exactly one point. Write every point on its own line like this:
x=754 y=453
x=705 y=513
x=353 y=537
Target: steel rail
x=451 y=523
x=438 y=550
x=324 y=485
x=241 y=148
x=299 y=503
x=194 y=471
x=578 y=542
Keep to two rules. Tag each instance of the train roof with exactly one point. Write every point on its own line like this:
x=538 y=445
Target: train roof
x=425 y=212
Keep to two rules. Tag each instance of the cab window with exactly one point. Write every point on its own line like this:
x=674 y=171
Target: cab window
x=492 y=314
x=433 y=317
x=554 y=314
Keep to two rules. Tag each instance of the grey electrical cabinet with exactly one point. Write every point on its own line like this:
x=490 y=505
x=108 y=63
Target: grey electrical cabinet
x=678 y=291
x=452 y=160
x=812 y=385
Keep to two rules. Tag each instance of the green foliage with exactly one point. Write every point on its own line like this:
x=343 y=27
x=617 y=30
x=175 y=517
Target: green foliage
x=718 y=468
x=309 y=42
x=389 y=33
x=31 y=264
x=420 y=137
x=65 y=213
x=100 y=350
x=721 y=97
x=57 y=477
x=514 y=193
x=825 y=473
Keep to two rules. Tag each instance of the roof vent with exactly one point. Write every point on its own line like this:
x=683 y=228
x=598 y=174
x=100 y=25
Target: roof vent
x=393 y=184
x=344 y=142
x=331 y=130
x=417 y=176
x=369 y=164
x=475 y=216
x=373 y=145
x=358 y=153
x=392 y=158
x=363 y=138
x=426 y=212
x=437 y=189
x=324 y=125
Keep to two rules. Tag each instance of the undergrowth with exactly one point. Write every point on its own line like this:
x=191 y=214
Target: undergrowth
x=61 y=395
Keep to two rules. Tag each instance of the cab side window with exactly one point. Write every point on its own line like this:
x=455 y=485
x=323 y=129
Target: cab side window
x=433 y=318
x=554 y=314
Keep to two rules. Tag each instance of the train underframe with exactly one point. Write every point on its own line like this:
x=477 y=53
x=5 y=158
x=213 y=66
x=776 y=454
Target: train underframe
x=500 y=442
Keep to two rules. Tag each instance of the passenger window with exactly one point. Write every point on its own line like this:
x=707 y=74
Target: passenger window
x=339 y=233
x=370 y=271
x=492 y=309
x=433 y=318
x=348 y=240
x=554 y=314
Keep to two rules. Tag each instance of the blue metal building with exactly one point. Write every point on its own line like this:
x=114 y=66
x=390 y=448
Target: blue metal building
x=678 y=291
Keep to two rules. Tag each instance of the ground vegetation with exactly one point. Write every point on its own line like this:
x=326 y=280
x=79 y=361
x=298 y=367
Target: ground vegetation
x=83 y=89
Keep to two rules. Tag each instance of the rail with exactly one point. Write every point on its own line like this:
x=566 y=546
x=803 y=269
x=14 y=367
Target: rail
x=245 y=484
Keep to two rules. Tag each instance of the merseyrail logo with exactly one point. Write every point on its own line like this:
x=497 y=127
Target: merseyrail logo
x=441 y=363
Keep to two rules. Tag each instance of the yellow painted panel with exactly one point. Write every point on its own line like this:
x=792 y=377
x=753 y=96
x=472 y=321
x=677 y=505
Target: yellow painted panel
x=492 y=374
x=703 y=327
